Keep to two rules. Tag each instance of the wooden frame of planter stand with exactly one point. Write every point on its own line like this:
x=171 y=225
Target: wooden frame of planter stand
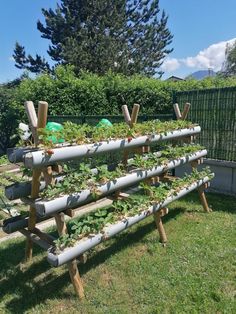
x=36 y=123
x=194 y=164
x=145 y=149
x=33 y=234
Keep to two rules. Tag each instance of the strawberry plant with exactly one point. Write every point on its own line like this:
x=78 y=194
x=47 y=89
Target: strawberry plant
x=81 y=134
x=121 y=209
x=84 y=178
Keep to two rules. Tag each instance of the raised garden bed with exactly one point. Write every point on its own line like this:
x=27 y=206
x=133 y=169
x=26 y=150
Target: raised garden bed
x=54 y=191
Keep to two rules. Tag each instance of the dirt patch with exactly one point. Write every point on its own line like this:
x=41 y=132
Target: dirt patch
x=106 y=278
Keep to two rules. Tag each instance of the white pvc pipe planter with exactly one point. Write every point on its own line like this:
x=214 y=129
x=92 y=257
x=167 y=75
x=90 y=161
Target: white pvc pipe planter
x=23 y=189
x=87 y=243
x=20 y=189
x=14 y=224
x=16 y=154
x=47 y=208
x=39 y=159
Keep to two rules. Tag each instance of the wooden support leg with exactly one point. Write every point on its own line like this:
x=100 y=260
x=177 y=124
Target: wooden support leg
x=160 y=227
x=75 y=278
x=32 y=213
x=203 y=199
x=201 y=189
x=28 y=250
x=39 y=122
x=72 y=266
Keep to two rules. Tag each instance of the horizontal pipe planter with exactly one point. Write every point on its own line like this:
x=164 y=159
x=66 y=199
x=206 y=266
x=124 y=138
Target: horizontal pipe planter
x=20 y=189
x=47 y=208
x=16 y=154
x=14 y=224
x=23 y=189
x=89 y=242
x=39 y=159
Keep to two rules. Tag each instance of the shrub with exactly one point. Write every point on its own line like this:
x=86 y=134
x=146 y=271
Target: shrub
x=10 y=114
x=90 y=94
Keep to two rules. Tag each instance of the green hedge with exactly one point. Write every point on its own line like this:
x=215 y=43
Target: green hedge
x=11 y=114
x=90 y=94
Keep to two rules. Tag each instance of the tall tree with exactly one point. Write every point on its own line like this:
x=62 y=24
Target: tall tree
x=229 y=67
x=125 y=36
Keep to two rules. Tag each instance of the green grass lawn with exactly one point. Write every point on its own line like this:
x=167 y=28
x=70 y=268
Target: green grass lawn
x=133 y=273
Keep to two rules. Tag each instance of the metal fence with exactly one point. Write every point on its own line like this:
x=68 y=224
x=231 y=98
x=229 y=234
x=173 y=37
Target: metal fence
x=215 y=111
x=93 y=120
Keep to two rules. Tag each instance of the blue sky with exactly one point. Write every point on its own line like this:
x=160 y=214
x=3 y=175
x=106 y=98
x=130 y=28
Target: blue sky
x=201 y=29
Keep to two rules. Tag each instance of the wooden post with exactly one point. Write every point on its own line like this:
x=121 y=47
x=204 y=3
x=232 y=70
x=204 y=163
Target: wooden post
x=62 y=230
x=41 y=123
x=126 y=114
x=131 y=122
x=201 y=192
x=42 y=114
x=72 y=266
x=185 y=111
x=134 y=115
x=32 y=212
x=157 y=217
x=183 y=115
x=203 y=199
x=32 y=117
x=48 y=175
x=177 y=111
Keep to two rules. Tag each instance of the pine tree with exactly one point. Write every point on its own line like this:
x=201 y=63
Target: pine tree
x=123 y=36
x=35 y=65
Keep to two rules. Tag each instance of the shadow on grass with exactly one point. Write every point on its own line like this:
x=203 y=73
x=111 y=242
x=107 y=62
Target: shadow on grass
x=218 y=202
x=37 y=282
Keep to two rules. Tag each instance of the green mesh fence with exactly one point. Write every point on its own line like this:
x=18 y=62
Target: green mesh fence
x=215 y=111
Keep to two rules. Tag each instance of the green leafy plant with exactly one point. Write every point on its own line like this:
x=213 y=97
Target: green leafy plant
x=84 y=178
x=121 y=209
x=81 y=134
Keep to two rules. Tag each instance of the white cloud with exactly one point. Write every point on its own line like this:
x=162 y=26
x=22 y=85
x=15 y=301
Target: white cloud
x=170 y=64
x=210 y=57
x=11 y=59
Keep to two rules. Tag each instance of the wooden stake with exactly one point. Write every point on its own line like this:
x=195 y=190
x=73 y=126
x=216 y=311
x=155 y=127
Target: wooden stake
x=42 y=114
x=41 y=123
x=177 y=111
x=131 y=122
x=61 y=224
x=157 y=217
x=126 y=114
x=48 y=176
x=203 y=199
x=75 y=278
x=185 y=111
x=134 y=115
x=32 y=117
x=32 y=212
x=72 y=265
x=201 y=192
